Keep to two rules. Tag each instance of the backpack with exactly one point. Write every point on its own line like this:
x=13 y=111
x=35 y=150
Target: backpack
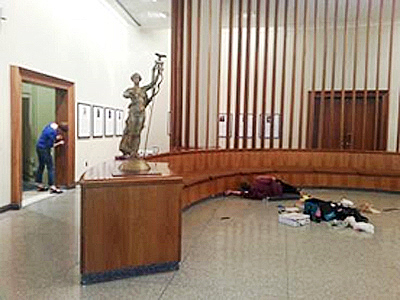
x=264 y=186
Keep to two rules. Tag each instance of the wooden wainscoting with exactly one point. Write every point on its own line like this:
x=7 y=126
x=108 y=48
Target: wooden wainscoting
x=207 y=173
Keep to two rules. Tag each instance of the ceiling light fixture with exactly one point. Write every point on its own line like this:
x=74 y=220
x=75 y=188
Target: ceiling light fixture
x=156 y=15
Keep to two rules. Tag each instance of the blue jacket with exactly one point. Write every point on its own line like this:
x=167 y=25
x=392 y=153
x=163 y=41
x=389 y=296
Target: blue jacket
x=47 y=137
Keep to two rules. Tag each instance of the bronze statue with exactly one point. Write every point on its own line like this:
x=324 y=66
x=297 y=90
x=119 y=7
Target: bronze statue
x=134 y=125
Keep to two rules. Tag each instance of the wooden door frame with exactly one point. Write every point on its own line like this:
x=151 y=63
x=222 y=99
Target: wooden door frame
x=66 y=91
x=348 y=93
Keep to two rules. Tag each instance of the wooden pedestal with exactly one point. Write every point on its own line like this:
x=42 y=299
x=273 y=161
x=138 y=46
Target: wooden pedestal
x=130 y=225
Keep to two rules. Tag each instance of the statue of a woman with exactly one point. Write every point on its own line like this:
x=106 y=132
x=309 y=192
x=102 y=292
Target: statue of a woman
x=130 y=141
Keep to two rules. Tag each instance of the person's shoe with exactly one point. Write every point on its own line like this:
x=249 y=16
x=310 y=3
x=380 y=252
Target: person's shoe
x=55 y=191
x=42 y=188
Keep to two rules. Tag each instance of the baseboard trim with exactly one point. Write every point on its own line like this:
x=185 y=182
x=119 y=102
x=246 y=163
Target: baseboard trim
x=8 y=207
x=91 y=278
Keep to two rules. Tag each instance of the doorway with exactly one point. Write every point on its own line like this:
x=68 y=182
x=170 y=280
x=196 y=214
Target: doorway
x=63 y=111
x=38 y=110
x=333 y=129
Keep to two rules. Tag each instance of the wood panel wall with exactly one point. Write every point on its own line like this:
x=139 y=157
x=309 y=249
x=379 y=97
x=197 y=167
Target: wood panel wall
x=210 y=172
x=271 y=56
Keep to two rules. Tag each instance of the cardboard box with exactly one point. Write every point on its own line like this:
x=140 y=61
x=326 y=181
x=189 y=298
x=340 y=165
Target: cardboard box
x=294 y=219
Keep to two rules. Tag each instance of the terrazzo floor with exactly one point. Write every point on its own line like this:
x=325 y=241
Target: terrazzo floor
x=232 y=249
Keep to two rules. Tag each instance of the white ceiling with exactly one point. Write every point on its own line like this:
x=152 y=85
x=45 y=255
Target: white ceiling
x=375 y=9
x=157 y=13
x=149 y=13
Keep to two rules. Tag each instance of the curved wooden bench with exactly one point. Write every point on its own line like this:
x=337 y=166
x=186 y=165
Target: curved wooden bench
x=211 y=172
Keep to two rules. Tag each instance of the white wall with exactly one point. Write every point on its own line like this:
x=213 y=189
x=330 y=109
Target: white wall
x=86 y=42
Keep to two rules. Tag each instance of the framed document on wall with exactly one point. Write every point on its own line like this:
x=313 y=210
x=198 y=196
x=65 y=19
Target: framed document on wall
x=249 y=134
x=98 y=121
x=109 y=123
x=119 y=122
x=223 y=123
x=84 y=124
x=267 y=123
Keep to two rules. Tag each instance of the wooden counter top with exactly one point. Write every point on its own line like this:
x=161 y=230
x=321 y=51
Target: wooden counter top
x=105 y=173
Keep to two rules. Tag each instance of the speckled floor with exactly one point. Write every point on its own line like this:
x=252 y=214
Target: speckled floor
x=248 y=256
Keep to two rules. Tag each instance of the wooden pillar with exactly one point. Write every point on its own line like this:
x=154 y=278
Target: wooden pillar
x=197 y=84
x=311 y=105
x=283 y=82
x=174 y=70
x=273 y=88
x=303 y=71
x=188 y=72
x=365 y=93
x=343 y=92
x=293 y=85
x=255 y=90
x=354 y=99
x=238 y=75
x=321 y=123
x=209 y=53
x=229 y=71
x=247 y=74
x=377 y=94
x=332 y=97
x=265 y=74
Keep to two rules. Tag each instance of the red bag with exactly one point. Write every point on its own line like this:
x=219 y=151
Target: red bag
x=264 y=186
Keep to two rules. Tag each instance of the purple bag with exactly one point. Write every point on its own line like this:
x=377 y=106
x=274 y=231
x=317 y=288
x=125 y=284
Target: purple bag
x=264 y=186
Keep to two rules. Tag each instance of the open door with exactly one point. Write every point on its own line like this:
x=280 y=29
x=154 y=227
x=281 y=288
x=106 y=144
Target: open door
x=65 y=112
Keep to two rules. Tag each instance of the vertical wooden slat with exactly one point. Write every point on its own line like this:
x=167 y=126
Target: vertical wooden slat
x=311 y=106
x=390 y=63
x=283 y=82
x=322 y=102
x=365 y=96
x=332 y=98
x=188 y=72
x=178 y=77
x=256 y=58
x=265 y=74
x=311 y=118
x=247 y=74
x=221 y=10
x=293 y=85
x=273 y=88
x=354 y=99
x=398 y=126
x=180 y=74
x=229 y=78
x=303 y=72
x=239 y=74
x=174 y=39
x=197 y=95
x=378 y=67
x=383 y=121
x=209 y=73
x=343 y=93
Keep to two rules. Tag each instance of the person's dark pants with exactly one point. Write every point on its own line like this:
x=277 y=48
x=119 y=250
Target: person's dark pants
x=45 y=160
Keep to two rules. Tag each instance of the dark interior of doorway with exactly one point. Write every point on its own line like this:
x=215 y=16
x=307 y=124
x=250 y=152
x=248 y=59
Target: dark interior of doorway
x=38 y=109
